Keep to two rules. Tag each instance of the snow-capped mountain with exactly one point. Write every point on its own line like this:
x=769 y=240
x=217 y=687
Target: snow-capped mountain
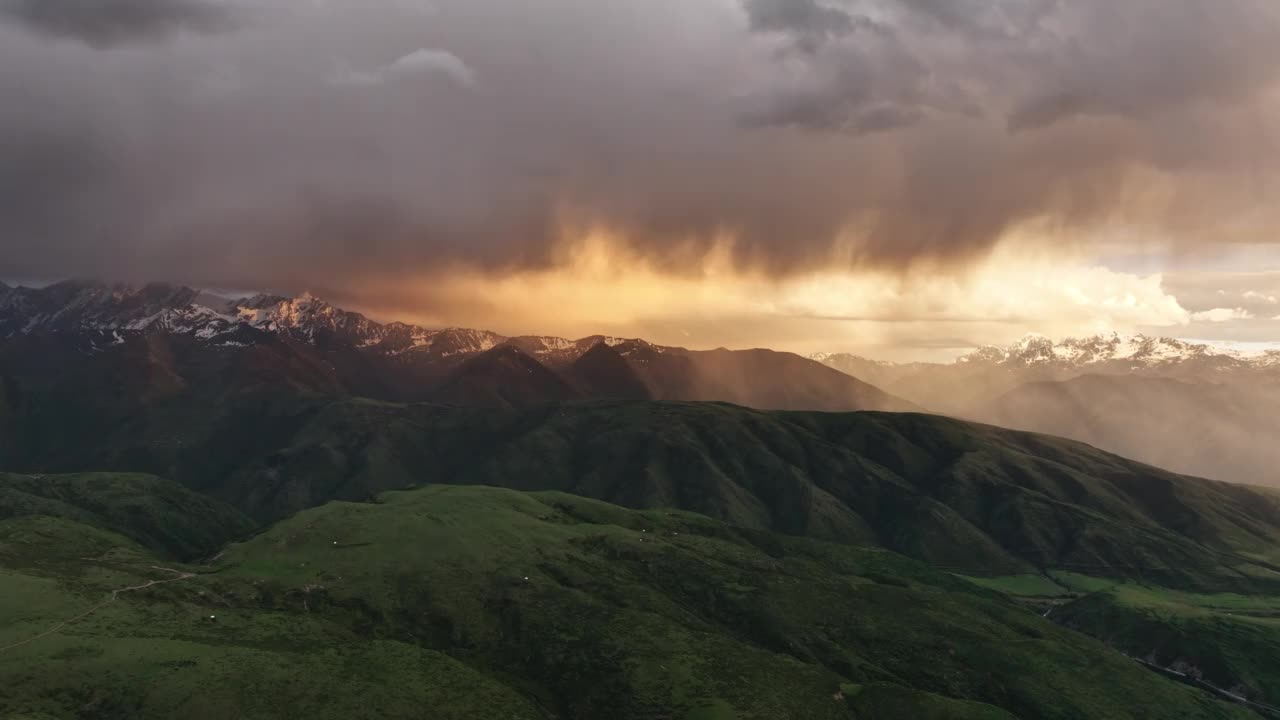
x=176 y=337
x=109 y=313
x=1137 y=351
x=1110 y=352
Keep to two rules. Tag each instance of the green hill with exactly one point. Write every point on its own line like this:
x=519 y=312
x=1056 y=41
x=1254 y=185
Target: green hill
x=1229 y=641
x=1225 y=643
x=951 y=493
x=156 y=513
x=482 y=602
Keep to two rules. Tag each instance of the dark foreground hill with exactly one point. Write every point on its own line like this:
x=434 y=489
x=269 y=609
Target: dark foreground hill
x=483 y=603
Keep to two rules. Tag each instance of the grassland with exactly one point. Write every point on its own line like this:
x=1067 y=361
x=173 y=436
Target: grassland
x=1228 y=640
x=470 y=602
x=158 y=513
x=732 y=563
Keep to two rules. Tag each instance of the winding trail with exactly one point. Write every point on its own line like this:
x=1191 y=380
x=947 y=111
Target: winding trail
x=114 y=595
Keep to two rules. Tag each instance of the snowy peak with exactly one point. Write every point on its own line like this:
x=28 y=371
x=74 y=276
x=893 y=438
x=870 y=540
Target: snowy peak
x=76 y=305
x=1107 y=353
x=557 y=351
x=1100 y=349
x=90 y=306
x=835 y=359
x=307 y=318
x=108 y=313
x=462 y=341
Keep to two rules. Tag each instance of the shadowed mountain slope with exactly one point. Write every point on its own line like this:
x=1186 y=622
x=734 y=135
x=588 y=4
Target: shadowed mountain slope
x=602 y=372
x=946 y=491
x=503 y=377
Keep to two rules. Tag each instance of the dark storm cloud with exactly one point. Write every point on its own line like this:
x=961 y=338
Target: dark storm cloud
x=1036 y=62
x=808 y=22
x=375 y=138
x=1168 y=57
x=106 y=23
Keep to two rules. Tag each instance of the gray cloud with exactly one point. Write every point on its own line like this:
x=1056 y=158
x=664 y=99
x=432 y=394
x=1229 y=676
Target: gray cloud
x=420 y=62
x=1037 y=62
x=882 y=132
x=107 y=23
x=809 y=22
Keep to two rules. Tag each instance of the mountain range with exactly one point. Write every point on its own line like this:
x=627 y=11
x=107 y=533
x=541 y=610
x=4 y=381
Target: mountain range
x=1189 y=407
x=344 y=351
x=991 y=370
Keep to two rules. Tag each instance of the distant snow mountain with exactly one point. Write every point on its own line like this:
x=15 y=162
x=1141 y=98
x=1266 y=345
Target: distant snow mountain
x=1137 y=351
x=1110 y=353
x=1190 y=407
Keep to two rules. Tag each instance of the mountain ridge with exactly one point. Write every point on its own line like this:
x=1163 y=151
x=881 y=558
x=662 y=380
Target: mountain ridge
x=96 y=306
x=306 y=339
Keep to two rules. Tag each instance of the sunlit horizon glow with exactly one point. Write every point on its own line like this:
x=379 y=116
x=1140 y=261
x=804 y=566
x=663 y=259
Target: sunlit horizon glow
x=596 y=285
x=599 y=281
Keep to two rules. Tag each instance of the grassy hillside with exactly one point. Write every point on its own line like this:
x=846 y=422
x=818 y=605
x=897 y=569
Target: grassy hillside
x=483 y=602
x=951 y=493
x=1230 y=641
x=1226 y=640
x=155 y=513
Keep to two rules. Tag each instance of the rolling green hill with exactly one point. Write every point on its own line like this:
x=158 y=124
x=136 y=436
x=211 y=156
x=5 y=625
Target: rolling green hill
x=151 y=511
x=1229 y=641
x=469 y=602
x=951 y=493
x=955 y=494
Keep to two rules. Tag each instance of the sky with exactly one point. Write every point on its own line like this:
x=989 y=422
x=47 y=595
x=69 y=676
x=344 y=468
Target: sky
x=900 y=178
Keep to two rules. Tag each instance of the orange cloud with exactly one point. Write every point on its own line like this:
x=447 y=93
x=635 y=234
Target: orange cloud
x=597 y=285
